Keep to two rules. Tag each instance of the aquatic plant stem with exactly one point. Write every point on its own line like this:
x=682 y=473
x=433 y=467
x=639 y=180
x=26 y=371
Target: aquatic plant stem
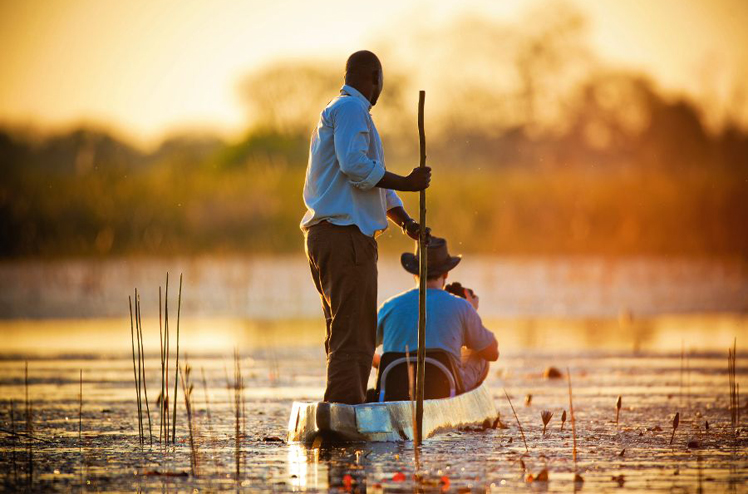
x=207 y=400
x=411 y=395
x=187 y=393
x=135 y=374
x=142 y=358
x=13 y=438
x=29 y=429
x=521 y=431
x=161 y=353
x=167 y=338
x=573 y=421
x=176 y=366
x=80 y=412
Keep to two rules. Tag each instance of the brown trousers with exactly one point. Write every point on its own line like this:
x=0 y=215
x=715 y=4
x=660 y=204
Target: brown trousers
x=343 y=262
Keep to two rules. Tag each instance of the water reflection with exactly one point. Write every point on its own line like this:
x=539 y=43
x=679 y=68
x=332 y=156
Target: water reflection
x=355 y=467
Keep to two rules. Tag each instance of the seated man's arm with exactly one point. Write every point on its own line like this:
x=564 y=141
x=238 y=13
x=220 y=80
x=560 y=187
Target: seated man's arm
x=478 y=338
x=491 y=352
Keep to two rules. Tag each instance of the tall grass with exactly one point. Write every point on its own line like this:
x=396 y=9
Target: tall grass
x=207 y=399
x=162 y=347
x=734 y=399
x=577 y=477
x=80 y=412
x=187 y=388
x=412 y=396
x=167 y=421
x=136 y=375
x=176 y=367
x=141 y=352
x=13 y=439
x=29 y=430
x=238 y=411
x=167 y=352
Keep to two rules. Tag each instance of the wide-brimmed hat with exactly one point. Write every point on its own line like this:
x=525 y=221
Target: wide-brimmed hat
x=438 y=259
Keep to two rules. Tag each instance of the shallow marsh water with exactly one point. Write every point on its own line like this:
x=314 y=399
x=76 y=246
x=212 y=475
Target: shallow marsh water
x=283 y=362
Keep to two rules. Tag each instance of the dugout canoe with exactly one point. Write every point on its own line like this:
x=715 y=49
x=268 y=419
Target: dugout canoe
x=388 y=421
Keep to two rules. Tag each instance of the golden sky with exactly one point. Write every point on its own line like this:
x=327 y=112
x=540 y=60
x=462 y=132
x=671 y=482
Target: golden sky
x=149 y=67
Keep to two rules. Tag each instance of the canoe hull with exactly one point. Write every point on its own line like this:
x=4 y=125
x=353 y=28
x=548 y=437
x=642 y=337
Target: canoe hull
x=387 y=422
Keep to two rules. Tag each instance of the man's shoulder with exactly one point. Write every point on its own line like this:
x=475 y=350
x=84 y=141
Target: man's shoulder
x=455 y=302
x=397 y=300
x=346 y=105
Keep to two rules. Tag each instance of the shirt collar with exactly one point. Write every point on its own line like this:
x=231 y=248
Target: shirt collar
x=351 y=91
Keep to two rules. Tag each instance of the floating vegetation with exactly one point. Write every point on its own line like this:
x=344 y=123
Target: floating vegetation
x=451 y=460
x=546 y=416
x=618 y=408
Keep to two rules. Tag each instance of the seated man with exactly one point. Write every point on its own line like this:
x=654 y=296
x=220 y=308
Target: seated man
x=452 y=322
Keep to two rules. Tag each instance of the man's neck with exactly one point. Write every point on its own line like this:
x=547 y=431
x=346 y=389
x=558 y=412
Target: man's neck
x=365 y=89
x=435 y=284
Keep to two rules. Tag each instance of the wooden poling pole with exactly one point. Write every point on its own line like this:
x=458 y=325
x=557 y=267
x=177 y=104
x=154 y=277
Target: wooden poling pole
x=422 y=276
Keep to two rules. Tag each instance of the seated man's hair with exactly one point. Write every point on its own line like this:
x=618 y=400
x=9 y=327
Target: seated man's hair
x=456 y=288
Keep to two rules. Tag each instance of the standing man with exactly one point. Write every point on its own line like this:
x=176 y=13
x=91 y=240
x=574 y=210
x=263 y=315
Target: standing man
x=349 y=197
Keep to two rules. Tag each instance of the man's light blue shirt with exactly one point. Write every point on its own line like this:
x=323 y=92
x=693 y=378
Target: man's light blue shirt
x=346 y=161
x=451 y=323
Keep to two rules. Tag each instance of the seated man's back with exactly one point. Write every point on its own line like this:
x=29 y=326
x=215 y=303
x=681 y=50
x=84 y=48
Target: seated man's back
x=451 y=323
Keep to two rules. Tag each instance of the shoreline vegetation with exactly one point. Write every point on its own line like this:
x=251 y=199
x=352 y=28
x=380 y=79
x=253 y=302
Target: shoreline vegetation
x=547 y=152
x=173 y=207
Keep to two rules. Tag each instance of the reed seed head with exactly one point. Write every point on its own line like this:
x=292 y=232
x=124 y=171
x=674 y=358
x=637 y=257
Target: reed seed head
x=546 y=415
x=618 y=403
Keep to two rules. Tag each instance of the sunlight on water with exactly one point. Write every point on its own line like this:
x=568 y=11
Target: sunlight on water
x=219 y=336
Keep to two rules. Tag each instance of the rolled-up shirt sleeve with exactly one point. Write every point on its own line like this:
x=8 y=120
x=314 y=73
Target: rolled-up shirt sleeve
x=393 y=200
x=351 y=136
x=477 y=337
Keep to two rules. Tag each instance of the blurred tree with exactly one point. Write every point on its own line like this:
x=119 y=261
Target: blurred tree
x=287 y=97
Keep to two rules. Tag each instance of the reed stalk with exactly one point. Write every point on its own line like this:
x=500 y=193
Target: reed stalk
x=161 y=353
x=187 y=388
x=136 y=375
x=13 y=439
x=238 y=411
x=207 y=399
x=142 y=359
x=167 y=342
x=731 y=373
x=29 y=430
x=176 y=367
x=412 y=396
x=521 y=431
x=573 y=422
x=688 y=378
x=80 y=412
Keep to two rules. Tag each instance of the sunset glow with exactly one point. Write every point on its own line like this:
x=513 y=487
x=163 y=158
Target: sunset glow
x=150 y=68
